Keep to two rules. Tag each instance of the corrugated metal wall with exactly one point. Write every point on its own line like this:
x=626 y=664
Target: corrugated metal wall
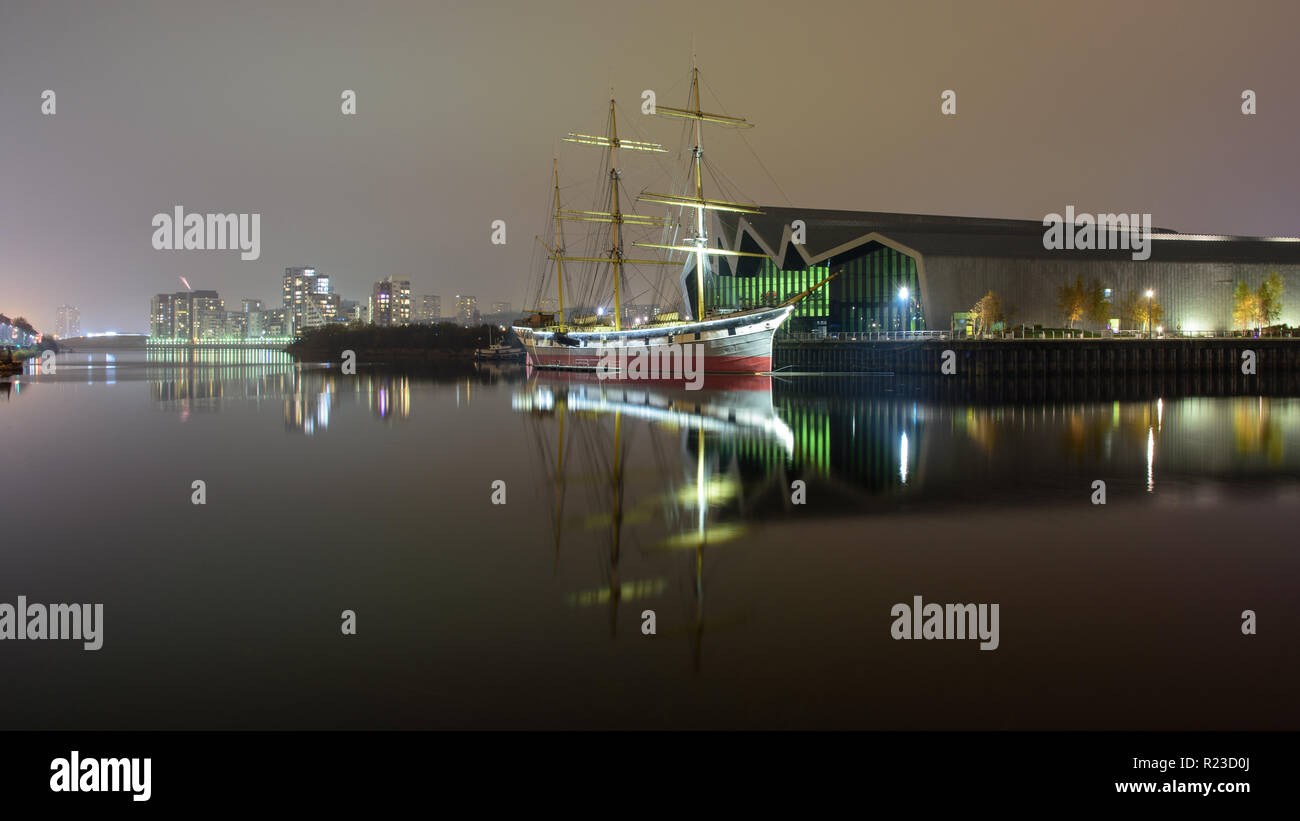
x=1197 y=295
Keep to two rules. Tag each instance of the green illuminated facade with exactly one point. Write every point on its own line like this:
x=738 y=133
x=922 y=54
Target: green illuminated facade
x=770 y=286
x=864 y=297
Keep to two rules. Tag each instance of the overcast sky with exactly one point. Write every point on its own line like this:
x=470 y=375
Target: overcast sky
x=235 y=107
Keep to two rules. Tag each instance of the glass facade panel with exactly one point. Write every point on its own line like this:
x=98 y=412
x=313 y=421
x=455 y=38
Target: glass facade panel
x=869 y=295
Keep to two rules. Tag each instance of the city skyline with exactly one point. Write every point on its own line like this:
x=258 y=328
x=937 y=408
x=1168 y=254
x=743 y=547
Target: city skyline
x=308 y=300
x=415 y=311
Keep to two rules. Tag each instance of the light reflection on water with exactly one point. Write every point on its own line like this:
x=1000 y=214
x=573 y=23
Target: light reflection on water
x=871 y=440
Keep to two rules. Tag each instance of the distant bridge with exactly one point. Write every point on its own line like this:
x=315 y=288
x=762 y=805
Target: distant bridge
x=133 y=341
x=275 y=342
x=101 y=342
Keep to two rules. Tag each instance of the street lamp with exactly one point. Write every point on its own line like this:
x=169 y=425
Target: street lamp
x=903 y=294
x=1150 y=330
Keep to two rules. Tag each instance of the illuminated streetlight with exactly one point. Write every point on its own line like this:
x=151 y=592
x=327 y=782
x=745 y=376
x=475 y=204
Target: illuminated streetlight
x=1150 y=330
x=904 y=296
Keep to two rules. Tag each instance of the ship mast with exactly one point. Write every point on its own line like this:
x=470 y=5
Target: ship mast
x=701 y=236
x=616 y=253
x=557 y=253
x=615 y=218
x=559 y=244
x=698 y=202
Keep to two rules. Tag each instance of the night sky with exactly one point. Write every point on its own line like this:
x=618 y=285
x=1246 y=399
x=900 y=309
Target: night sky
x=235 y=107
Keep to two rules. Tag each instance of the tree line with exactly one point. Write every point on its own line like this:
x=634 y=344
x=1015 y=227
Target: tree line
x=1260 y=307
x=1076 y=302
x=23 y=325
x=443 y=336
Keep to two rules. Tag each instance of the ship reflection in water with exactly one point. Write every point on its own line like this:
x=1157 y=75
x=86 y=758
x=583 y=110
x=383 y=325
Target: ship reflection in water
x=701 y=447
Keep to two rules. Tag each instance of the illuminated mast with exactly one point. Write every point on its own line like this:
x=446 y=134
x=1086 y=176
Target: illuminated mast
x=698 y=202
x=557 y=253
x=559 y=245
x=615 y=218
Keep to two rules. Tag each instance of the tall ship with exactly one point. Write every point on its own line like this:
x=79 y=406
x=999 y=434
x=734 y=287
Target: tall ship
x=731 y=339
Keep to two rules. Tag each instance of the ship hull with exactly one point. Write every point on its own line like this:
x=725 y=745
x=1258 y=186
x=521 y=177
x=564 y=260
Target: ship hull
x=738 y=343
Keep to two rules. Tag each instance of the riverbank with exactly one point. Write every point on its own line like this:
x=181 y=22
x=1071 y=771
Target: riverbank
x=326 y=353
x=444 y=342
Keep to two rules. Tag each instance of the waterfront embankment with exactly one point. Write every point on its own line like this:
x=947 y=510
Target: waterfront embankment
x=1018 y=358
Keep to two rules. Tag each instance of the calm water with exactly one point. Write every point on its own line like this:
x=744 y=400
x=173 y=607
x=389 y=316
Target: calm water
x=372 y=493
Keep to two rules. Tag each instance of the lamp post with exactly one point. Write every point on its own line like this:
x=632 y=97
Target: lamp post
x=1150 y=330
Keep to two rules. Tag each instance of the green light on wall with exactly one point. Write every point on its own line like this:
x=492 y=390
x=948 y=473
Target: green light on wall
x=770 y=286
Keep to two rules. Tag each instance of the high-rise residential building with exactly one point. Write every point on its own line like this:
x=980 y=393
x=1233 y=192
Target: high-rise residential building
x=309 y=302
x=551 y=305
x=161 y=317
x=192 y=316
x=208 y=316
x=182 y=314
x=67 y=322
x=254 y=327
x=467 y=310
x=274 y=323
x=500 y=307
x=251 y=305
x=263 y=324
x=390 y=302
x=430 y=309
x=236 y=325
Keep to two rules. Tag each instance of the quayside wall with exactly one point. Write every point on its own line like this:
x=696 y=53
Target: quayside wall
x=1021 y=358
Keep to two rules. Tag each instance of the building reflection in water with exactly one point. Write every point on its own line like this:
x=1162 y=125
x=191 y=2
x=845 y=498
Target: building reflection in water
x=202 y=379
x=896 y=449
x=715 y=462
x=389 y=396
x=188 y=380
